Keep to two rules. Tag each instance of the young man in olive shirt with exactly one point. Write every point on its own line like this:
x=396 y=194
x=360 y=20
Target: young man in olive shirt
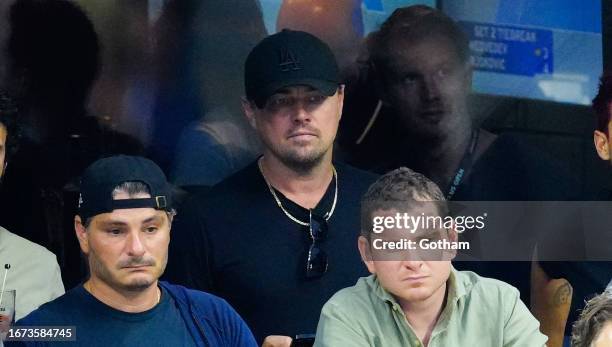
x=414 y=297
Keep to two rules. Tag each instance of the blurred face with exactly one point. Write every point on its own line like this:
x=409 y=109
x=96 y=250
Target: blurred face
x=604 y=339
x=3 y=135
x=411 y=276
x=427 y=85
x=128 y=248
x=602 y=142
x=298 y=124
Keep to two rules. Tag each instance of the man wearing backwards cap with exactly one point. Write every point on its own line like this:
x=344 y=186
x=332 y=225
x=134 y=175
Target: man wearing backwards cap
x=123 y=227
x=276 y=239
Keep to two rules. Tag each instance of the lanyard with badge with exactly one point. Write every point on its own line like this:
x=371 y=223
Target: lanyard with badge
x=464 y=165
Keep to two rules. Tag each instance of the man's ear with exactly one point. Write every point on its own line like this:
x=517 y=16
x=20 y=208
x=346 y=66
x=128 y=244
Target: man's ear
x=452 y=236
x=171 y=215
x=249 y=112
x=601 y=144
x=81 y=234
x=341 y=99
x=366 y=254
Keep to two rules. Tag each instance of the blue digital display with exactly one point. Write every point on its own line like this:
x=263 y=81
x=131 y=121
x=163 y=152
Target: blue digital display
x=574 y=15
x=561 y=59
x=510 y=49
x=373 y=5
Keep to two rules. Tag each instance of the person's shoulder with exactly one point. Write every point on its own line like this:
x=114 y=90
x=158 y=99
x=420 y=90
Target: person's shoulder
x=203 y=301
x=216 y=315
x=196 y=296
x=353 y=177
x=237 y=183
x=529 y=165
x=487 y=289
x=29 y=250
x=521 y=151
x=507 y=151
x=234 y=188
x=353 y=172
x=491 y=297
x=354 y=298
x=55 y=312
x=501 y=303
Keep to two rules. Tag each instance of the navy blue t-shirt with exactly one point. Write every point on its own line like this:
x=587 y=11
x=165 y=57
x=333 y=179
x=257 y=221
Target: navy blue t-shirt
x=98 y=324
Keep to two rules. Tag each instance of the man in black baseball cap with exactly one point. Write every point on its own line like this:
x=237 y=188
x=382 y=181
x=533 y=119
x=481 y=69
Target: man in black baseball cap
x=123 y=228
x=276 y=239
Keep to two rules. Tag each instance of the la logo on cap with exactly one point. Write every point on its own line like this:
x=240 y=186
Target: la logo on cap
x=288 y=61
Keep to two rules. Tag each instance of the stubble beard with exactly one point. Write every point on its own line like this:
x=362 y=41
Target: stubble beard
x=105 y=275
x=302 y=163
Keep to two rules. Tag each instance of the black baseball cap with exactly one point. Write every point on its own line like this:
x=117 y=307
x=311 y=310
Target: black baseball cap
x=103 y=176
x=289 y=58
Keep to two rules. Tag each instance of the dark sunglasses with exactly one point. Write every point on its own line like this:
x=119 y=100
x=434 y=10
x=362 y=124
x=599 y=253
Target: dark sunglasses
x=316 y=261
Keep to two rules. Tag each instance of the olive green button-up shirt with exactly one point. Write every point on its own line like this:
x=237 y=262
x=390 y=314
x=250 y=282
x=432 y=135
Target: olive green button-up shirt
x=479 y=312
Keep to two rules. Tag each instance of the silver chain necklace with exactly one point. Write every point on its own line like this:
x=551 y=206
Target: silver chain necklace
x=327 y=215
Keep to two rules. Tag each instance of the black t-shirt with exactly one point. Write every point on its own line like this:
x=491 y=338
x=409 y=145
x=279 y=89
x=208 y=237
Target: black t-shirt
x=97 y=324
x=512 y=170
x=237 y=243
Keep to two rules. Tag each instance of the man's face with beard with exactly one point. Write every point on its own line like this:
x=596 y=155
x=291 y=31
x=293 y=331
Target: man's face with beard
x=298 y=124
x=426 y=84
x=126 y=249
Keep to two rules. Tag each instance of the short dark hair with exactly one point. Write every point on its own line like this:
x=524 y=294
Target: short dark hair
x=131 y=188
x=416 y=23
x=9 y=120
x=601 y=102
x=399 y=188
x=56 y=44
x=594 y=316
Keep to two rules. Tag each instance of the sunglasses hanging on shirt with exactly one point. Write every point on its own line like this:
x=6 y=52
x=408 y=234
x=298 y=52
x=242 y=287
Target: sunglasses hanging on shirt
x=316 y=260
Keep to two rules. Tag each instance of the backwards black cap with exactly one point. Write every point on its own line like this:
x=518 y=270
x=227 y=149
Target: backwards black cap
x=103 y=176
x=289 y=58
